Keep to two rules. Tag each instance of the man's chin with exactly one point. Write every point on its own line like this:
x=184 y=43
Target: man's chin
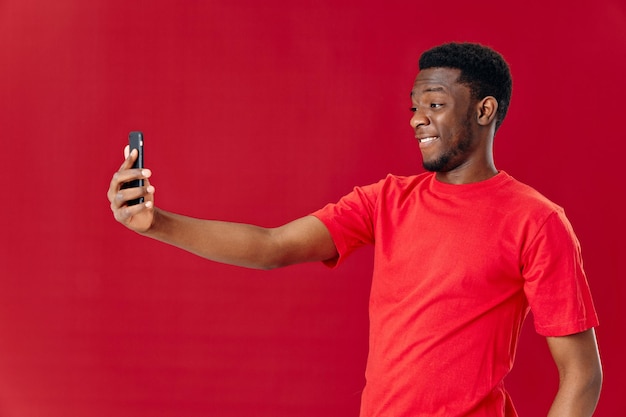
x=432 y=167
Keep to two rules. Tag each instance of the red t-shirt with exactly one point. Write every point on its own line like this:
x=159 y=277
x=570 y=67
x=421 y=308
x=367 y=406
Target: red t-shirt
x=456 y=269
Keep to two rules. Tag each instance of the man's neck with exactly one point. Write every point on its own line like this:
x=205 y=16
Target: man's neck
x=467 y=174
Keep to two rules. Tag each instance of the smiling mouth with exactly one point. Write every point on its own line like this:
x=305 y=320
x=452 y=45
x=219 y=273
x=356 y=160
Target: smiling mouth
x=428 y=139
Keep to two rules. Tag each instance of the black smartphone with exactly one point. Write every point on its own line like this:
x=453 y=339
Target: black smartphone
x=135 y=141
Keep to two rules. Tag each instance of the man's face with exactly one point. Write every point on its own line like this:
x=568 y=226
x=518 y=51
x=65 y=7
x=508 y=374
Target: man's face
x=442 y=119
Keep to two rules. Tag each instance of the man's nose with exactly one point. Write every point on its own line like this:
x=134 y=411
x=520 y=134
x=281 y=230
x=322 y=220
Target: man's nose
x=418 y=118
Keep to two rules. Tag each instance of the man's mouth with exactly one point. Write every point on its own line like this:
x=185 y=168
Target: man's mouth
x=427 y=139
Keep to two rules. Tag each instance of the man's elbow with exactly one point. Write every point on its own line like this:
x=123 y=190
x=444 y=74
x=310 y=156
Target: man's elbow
x=595 y=380
x=585 y=382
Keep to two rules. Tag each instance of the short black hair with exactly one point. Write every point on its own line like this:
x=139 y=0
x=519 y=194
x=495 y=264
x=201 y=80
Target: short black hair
x=483 y=70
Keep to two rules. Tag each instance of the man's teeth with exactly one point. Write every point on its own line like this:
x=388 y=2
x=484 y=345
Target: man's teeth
x=429 y=139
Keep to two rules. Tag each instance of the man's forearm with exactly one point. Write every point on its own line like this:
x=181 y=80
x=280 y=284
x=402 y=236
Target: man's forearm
x=303 y=240
x=231 y=243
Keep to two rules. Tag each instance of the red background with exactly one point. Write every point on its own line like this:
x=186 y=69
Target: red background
x=262 y=112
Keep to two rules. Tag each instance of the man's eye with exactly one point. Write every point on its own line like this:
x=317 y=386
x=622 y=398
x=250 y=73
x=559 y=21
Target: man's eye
x=435 y=105
x=413 y=109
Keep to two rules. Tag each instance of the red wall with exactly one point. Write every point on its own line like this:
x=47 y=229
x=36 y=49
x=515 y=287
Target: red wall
x=262 y=112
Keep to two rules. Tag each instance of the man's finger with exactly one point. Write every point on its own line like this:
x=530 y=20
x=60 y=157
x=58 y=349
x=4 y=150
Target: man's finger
x=130 y=158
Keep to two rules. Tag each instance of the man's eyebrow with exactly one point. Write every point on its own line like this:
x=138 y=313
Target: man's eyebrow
x=434 y=89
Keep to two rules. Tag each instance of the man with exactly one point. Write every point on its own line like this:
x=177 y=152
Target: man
x=462 y=253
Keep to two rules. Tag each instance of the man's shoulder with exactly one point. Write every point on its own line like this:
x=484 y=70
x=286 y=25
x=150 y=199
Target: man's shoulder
x=394 y=181
x=521 y=192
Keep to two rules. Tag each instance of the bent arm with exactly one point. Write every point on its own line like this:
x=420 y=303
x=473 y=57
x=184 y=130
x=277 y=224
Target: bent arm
x=302 y=240
x=580 y=372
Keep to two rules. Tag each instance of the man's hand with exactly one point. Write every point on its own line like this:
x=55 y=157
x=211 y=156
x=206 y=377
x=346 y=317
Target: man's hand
x=138 y=217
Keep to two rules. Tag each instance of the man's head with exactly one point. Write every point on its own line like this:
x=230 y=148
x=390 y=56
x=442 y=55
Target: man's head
x=482 y=69
x=459 y=99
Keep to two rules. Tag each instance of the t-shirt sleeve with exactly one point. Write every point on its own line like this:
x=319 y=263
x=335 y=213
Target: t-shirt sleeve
x=555 y=282
x=350 y=221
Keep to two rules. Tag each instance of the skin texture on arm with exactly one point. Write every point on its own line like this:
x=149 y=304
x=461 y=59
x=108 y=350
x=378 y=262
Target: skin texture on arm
x=302 y=240
x=580 y=374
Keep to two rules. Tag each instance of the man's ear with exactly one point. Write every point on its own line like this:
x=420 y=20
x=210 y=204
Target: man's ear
x=486 y=110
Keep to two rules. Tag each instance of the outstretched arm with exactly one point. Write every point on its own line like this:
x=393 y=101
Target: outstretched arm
x=580 y=372
x=303 y=240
